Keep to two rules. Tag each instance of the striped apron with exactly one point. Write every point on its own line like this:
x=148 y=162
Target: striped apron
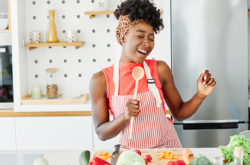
x=151 y=128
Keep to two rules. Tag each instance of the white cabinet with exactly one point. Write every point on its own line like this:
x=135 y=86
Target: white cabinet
x=108 y=144
x=7 y=133
x=48 y=133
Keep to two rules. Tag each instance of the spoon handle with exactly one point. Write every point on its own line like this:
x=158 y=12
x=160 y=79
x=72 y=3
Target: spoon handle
x=131 y=127
x=136 y=89
x=132 y=119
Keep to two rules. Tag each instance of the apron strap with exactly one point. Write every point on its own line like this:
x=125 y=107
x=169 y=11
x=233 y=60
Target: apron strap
x=151 y=85
x=116 y=77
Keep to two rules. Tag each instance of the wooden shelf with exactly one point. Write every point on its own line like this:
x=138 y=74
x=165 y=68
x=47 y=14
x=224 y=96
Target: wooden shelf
x=27 y=100
x=32 y=46
x=248 y=13
x=9 y=15
x=5 y=31
x=93 y=13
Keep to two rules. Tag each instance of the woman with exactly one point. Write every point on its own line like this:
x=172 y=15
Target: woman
x=113 y=87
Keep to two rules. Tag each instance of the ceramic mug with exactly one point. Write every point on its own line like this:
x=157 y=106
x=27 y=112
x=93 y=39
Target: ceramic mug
x=35 y=37
x=105 y=5
x=69 y=36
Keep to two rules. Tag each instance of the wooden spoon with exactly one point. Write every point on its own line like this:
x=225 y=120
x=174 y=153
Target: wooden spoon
x=137 y=74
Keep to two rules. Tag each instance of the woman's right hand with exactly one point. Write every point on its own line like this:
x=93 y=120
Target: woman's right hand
x=132 y=109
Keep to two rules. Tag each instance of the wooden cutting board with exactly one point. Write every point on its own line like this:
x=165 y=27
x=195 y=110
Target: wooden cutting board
x=178 y=155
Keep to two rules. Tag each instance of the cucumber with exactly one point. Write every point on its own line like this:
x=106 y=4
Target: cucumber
x=84 y=158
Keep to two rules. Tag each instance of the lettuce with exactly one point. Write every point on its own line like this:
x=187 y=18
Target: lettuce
x=227 y=151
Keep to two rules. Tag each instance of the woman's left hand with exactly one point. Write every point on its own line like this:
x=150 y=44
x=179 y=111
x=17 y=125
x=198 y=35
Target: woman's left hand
x=205 y=84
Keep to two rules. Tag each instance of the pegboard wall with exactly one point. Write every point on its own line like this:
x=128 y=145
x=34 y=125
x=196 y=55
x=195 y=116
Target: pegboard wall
x=75 y=66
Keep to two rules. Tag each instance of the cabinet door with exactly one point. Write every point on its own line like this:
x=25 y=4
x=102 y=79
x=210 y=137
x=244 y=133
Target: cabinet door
x=7 y=133
x=48 y=133
x=108 y=144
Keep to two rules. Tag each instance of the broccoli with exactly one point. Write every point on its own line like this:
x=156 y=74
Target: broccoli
x=201 y=159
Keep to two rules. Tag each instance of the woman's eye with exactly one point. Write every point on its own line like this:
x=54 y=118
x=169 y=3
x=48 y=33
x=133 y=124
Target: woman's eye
x=143 y=37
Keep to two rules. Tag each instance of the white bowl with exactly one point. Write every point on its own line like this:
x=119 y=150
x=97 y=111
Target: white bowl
x=3 y=15
x=4 y=22
x=71 y=96
x=246 y=134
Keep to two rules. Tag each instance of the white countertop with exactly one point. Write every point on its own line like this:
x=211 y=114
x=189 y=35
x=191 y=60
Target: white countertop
x=65 y=157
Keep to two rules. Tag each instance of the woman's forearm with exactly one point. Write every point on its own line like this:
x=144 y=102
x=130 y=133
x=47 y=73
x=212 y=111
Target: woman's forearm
x=111 y=129
x=187 y=109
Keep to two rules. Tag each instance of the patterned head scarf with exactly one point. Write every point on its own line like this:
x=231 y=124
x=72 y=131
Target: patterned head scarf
x=123 y=26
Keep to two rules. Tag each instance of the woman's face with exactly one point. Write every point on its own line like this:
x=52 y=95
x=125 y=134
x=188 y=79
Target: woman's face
x=138 y=43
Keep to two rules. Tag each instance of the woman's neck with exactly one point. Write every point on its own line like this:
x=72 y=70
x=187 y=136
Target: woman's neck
x=125 y=58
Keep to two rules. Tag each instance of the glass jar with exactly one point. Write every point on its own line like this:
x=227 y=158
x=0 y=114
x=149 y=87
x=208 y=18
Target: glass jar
x=51 y=87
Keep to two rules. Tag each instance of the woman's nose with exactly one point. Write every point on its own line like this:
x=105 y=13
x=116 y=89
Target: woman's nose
x=145 y=42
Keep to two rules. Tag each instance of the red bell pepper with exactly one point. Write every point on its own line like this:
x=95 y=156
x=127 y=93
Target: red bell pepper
x=98 y=161
x=178 y=162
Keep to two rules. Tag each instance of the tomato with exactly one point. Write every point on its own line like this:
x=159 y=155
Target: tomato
x=180 y=162
x=138 y=152
x=171 y=163
x=148 y=157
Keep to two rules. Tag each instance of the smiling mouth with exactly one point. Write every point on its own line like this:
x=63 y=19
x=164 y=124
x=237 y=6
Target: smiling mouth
x=142 y=52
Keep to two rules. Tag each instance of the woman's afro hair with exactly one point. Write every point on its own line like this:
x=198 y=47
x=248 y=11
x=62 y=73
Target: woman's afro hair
x=141 y=9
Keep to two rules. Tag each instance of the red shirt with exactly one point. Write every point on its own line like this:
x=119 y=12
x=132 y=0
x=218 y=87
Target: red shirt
x=127 y=82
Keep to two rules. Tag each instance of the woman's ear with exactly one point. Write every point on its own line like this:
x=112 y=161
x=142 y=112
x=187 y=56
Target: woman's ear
x=124 y=38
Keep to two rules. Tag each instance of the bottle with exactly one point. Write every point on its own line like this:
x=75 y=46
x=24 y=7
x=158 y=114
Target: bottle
x=238 y=155
x=52 y=28
x=51 y=88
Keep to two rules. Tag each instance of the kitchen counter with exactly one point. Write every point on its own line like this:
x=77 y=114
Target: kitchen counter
x=65 y=157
